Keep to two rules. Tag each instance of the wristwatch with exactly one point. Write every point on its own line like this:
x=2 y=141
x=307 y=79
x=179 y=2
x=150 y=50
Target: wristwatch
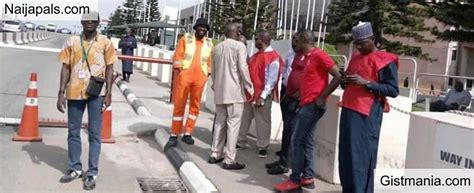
x=367 y=83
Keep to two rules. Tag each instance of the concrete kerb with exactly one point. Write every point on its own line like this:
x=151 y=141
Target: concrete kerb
x=192 y=176
x=136 y=104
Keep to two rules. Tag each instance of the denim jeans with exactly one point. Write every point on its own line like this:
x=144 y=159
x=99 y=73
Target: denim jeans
x=289 y=106
x=302 y=142
x=75 y=112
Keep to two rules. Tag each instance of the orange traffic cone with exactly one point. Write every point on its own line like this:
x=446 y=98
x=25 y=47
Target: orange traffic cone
x=28 y=130
x=106 y=132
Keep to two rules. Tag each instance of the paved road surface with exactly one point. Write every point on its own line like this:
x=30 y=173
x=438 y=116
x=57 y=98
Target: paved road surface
x=37 y=167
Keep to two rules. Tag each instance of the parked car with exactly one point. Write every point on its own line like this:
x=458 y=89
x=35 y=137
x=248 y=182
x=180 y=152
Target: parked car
x=64 y=31
x=23 y=27
x=12 y=26
x=30 y=25
x=51 y=27
x=40 y=27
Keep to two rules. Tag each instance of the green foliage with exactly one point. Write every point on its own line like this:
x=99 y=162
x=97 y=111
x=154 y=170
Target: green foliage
x=129 y=14
x=388 y=17
x=116 y=19
x=332 y=50
x=154 y=14
x=243 y=12
x=456 y=15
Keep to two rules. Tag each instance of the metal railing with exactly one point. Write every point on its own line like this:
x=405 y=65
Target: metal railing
x=415 y=67
x=438 y=75
x=343 y=57
x=153 y=60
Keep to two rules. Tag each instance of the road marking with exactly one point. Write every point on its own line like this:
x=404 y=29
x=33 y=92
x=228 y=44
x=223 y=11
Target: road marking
x=34 y=48
x=10 y=121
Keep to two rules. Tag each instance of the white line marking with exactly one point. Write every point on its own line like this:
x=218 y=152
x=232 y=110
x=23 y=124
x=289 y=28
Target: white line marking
x=35 y=48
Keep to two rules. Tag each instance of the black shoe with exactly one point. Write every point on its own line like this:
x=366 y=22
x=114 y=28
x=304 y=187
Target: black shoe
x=277 y=170
x=188 y=139
x=89 y=183
x=262 y=153
x=70 y=176
x=213 y=160
x=172 y=142
x=278 y=153
x=238 y=147
x=234 y=166
x=273 y=164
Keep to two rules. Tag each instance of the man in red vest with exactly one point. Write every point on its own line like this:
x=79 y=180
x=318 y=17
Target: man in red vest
x=264 y=68
x=370 y=77
x=313 y=92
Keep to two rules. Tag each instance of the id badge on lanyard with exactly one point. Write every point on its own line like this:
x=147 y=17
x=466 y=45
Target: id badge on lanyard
x=82 y=73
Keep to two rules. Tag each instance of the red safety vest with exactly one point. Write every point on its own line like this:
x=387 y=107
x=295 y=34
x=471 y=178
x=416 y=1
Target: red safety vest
x=257 y=64
x=356 y=97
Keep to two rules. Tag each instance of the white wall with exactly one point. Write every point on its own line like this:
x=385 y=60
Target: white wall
x=430 y=133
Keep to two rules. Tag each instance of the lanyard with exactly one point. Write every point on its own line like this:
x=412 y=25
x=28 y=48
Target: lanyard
x=84 y=53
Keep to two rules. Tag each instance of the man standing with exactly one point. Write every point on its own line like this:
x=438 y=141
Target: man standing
x=370 y=77
x=91 y=54
x=231 y=78
x=192 y=61
x=291 y=81
x=314 y=90
x=264 y=67
x=127 y=44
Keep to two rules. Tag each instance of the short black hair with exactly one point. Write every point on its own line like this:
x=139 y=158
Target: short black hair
x=265 y=36
x=306 y=36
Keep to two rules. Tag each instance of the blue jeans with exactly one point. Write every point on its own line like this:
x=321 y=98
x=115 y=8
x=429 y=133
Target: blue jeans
x=75 y=112
x=302 y=142
x=289 y=107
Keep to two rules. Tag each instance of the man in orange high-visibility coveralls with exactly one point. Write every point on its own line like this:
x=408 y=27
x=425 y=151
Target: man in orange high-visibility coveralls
x=193 y=62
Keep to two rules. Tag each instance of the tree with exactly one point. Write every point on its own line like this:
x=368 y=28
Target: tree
x=458 y=14
x=154 y=11
x=116 y=18
x=128 y=11
x=225 y=11
x=388 y=17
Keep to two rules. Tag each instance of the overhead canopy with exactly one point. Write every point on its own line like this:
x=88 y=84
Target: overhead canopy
x=152 y=24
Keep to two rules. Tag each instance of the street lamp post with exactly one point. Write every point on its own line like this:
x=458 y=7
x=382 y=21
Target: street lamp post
x=321 y=21
x=307 y=14
x=255 y=25
x=312 y=16
x=291 y=18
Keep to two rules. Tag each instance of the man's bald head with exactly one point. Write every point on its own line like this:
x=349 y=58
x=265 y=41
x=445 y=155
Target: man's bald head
x=232 y=31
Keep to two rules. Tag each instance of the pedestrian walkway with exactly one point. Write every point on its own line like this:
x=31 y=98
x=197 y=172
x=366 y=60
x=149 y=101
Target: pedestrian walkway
x=253 y=178
x=37 y=167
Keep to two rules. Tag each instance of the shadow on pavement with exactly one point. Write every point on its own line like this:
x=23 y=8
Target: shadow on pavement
x=143 y=128
x=54 y=156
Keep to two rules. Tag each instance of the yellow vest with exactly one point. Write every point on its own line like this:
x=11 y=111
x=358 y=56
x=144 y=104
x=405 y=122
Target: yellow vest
x=206 y=48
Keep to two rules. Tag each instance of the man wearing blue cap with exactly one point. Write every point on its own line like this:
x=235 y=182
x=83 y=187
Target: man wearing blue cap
x=371 y=76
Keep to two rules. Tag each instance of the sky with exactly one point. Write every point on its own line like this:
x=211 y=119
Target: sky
x=107 y=7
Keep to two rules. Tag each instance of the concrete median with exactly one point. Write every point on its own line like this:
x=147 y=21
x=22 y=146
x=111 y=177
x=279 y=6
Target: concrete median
x=18 y=38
